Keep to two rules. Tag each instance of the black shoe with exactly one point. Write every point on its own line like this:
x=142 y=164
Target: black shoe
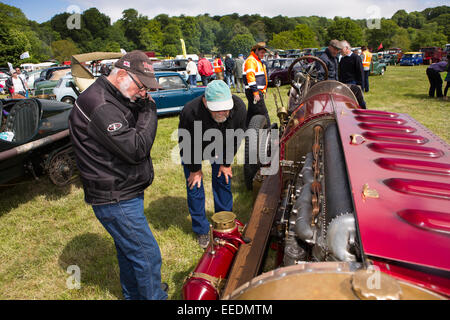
x=164 y=287
x=203 y=240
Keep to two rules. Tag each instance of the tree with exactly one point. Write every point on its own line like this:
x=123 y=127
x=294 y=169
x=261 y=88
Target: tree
x=345 y=29
x=305 y=37
x=429 y=36
x=13 y=44
x=96 y=22
x=283 y=40
x=241 y=43
x=388 y=29
x=63 y=50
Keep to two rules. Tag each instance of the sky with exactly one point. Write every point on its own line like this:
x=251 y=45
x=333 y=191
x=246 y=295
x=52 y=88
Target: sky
x=44 y=10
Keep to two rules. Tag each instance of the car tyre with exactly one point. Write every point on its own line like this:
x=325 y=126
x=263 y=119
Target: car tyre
x=69 y=100
x=277 y=82
x=257 y=122
x=382 y=72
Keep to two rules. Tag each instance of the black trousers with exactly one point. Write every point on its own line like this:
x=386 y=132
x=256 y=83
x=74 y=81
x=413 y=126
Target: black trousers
x=435 y=83
x=446 y=88
x=254 y=109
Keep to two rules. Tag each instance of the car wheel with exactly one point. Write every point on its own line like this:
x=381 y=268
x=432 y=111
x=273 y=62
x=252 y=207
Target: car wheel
x=69 y=100
x=382 y=72
x=252 y=147
x=277 y=82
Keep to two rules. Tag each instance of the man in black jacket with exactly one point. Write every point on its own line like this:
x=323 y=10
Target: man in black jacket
x=113 y=127
x=351 y=72
x=208 y=130
x=331 y=61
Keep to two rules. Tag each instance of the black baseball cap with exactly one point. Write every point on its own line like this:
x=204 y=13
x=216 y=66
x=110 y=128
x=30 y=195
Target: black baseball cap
x=139 y=64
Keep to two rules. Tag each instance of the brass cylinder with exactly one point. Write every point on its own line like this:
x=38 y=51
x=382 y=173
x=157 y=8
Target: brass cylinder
x=223 y=221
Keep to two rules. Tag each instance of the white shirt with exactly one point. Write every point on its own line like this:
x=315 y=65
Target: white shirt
x=191 y=68
x=17 y=84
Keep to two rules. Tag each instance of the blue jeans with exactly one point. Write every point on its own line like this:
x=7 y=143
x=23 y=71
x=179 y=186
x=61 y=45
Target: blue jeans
x=223 y=199
x=193 y=80
x=137 y=250
x=366 y=80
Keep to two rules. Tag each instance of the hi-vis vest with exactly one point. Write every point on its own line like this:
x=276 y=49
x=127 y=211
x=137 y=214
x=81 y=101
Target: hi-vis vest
x=254 y=72
x=217 y=67
x=367 y=60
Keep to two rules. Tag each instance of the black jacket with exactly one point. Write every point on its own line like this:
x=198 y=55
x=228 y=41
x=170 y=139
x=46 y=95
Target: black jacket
x=351 y=70
x=229 y=65
x=332 y=65
x=112 y=138
x=196 y=111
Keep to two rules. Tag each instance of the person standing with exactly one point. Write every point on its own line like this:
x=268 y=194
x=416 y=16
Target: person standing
x=205 y=69
x=447 y=78
x=255 y=80
x=218 y=68
x=221 y=112
x=16 y=85
x=112 y=128
x=238 y=73
x=433 y=73
x=351 y=72
x=229 y=66
x=191 y=70
x=331 y=61
x=367 y=61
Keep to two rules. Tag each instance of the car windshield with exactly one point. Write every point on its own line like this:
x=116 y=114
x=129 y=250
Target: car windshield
x=408 y=56
x=171 y=83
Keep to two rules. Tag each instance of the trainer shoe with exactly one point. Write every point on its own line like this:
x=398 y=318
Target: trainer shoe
x=203 y=240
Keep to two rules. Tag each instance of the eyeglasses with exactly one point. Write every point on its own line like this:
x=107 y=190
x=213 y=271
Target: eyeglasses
x=140 y=87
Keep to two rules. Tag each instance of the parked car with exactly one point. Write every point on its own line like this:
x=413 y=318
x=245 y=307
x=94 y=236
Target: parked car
x=277 y=71
x=47 y=74
x=411 y=59
x=3 y=78
x=46 y=87
x=432 y=54
x=34 y=139
x=63 y=90
x=377 y=67
x=390 y=59
x=176 y=65
x=31 y=77
x=174 y=92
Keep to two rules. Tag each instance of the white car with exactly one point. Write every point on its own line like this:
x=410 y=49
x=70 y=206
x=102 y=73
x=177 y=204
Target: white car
x=3 y=78
x=63 y=90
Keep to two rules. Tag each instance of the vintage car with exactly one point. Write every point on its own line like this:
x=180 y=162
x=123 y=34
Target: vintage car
x=64 y=91
x=411 y=59
x=432 y=54
x=46 y=74
x=351 y=204
x=174 y=92
x=390 y=59
x=277 y=71
x=34 y=139
x=377 y=67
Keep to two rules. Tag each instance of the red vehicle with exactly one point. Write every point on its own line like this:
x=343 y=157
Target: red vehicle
x=358 y=208
x=432 y=54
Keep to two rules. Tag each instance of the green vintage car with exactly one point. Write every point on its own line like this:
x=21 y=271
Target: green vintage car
x=377 y=67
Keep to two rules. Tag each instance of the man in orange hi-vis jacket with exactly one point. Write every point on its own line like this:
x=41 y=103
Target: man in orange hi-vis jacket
x=255 y=81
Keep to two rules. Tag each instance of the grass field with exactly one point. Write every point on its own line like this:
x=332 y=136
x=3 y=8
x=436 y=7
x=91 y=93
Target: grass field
x=44 y=229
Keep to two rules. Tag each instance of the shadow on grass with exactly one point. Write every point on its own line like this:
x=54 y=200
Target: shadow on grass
x=169 y=211
x=95 y=256
x=25 y=189
x=418 y=95
x=178 y=282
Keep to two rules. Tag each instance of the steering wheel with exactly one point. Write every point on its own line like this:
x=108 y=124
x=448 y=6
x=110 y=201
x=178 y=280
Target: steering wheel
x=307 y=69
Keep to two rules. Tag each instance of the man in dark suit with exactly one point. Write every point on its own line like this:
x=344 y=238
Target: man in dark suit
x=351 y=72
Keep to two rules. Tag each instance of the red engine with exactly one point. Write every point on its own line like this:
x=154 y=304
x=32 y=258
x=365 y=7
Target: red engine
x=208 y=278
